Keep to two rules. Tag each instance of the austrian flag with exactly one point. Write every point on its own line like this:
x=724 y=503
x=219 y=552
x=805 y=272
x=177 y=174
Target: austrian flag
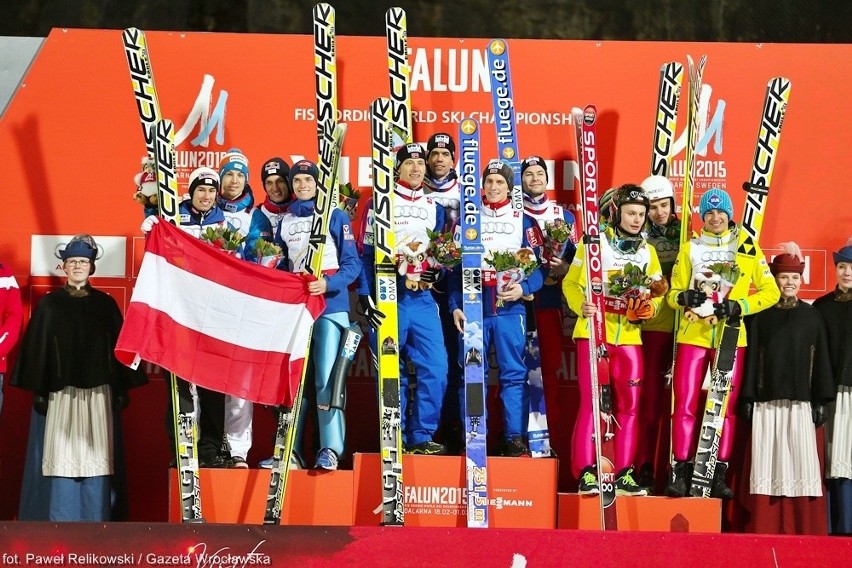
x=217 y=321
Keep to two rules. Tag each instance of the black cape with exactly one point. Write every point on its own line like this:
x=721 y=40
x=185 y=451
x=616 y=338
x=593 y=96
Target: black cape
x=788 y=357
x=70 y=341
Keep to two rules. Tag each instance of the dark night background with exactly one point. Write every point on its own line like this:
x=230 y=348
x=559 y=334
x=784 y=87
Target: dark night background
x=803 y=21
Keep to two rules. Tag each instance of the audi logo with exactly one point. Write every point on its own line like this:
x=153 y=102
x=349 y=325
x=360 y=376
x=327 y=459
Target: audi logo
x=498 y=228
x=299 y=227
x=718 y=256
x=628 y=256
x=664 y=245
x=236 y=224
x=411 y=212
x=449 y=202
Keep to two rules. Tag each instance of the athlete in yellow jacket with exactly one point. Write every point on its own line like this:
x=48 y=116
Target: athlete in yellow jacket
x=702 y=279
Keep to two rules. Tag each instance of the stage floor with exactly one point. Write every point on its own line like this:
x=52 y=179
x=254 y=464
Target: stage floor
x=210 y=545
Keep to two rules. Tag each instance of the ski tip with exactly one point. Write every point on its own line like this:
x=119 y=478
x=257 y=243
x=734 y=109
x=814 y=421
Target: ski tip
x=590 y=115
x=497 y=47
x=468 y=125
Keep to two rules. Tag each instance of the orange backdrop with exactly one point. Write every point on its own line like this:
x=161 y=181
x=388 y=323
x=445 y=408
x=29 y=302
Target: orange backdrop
x=71 y=139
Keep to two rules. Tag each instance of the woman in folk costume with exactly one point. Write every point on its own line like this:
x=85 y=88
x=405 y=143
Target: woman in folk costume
x=786 y=385
x=79 y=389
x=836 y=309
x=633 y=289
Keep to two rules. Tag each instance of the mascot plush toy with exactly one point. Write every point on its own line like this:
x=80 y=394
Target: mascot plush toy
x=146 y=185
x=413 y=261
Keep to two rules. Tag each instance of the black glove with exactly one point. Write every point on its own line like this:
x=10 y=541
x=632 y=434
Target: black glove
x=40 y=404
x=373 y=316
x=431 y=275
x=121 y=401
x=691 y=298
x=727 y=309
x=746 y=410
x=818 y=414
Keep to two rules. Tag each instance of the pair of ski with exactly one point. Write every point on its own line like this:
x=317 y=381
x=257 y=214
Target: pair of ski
x=159 y=136
x=769 y=134
x=159 y=143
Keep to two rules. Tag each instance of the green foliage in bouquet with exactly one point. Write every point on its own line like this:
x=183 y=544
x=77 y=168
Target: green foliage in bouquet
x=729 y=271
x=223 y=237
x=557 y=230
x=504 y=260
x=264 y=248
x=631 y=277
x=443 y=249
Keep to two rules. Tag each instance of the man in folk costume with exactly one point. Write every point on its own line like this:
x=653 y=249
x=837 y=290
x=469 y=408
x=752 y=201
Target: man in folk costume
x=79 y=389
x=786 y=386
x=836 y=309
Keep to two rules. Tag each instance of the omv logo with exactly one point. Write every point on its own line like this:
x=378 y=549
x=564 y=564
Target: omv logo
x=202 y=116
x=708 y=128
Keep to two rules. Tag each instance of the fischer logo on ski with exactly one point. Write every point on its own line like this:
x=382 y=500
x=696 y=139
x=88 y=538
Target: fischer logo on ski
x=390 y=414
x=399 y=74
x=671 y=78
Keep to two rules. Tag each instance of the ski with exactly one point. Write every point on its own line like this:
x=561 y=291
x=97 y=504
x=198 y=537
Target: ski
x=757 y=190
x=668 y=95
x=142 y=80
x=474 y=356
x=499 y=72
x=695 y=75
x=399 y=74
x=387 y=335
x=288 y=418
x=159 y=144
x=587 y=158
x=325 y=71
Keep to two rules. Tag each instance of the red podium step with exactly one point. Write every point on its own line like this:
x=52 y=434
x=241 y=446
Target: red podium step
x=239 y=496
x=522 y=491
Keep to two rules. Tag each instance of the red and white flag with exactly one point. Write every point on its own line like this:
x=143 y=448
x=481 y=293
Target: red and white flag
x=217 y=321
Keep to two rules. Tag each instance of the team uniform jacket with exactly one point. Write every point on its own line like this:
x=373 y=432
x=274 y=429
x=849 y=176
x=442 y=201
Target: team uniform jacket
x=619 y=331
x=414 y=215
x=447 y=194
x=194 y=222
x=12 y=316
x=667 y=247
x=502 y=229
x=693 y=258
x=340 y=262
x=544 y=211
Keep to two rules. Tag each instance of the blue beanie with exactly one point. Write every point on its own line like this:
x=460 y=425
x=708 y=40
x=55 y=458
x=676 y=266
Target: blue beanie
x=303 y=167
x=716 y=199
x=234 y=159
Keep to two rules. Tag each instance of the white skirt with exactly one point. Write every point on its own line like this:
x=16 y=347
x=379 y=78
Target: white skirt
x=78 y=433
x=838 y=435
x=784 y=459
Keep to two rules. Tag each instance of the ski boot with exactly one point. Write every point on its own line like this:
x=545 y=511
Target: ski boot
x=516 y=448
x=646 y=478
x=680 y=479
x=719 y=490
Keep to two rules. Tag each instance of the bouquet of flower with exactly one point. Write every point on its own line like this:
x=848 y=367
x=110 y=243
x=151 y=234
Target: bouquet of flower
x=728 y=271
x=556 y=235
x=511 y=267
x=348 y=201
x=631 y=281
x=443 y=249
x=267 y=254
x=223 y=238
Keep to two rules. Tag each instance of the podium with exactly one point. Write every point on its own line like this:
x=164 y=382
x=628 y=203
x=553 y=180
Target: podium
x=239 y=496
x=521 y=491
x=663 y=514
